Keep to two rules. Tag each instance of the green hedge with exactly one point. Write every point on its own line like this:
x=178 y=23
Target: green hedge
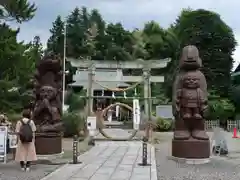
x=73 y=123
x=221 y=109
x=163 y=124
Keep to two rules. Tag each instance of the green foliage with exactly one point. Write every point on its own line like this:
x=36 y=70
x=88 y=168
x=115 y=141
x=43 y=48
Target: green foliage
x=90 y=37
x=160 y=43
x=73 y=123
x=19 y=10
x=13 y=117
x=221 y=109
x=9 y=97
x=164 y=124
x=56 y=40
x=17 y=63
x=235 y=97
x=75 y=102
x=216 y=43
x=35 y=49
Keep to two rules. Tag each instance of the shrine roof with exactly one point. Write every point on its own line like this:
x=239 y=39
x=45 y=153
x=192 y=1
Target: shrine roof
x=96 y=86
x=100 y=75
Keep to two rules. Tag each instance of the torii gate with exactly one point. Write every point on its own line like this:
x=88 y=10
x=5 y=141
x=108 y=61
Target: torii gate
x=145 y=65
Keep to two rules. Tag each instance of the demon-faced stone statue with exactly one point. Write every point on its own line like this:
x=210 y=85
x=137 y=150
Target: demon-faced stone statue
x=48 y=90
x=189 y=107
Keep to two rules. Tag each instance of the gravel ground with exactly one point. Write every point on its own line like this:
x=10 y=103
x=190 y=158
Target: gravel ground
x=219 y=168
x=12 y=171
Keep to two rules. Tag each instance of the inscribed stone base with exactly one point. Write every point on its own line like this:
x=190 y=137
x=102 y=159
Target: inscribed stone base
x=48 y=145
x=191 y=148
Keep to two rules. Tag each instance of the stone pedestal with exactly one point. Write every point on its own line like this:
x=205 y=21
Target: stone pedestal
x=48 y=144
x=191 y=148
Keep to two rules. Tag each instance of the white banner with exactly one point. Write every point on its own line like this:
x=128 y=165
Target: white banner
x=136 y=114
x=92 y=125
x=3 y=143
x=117 y=110
x=109 y=114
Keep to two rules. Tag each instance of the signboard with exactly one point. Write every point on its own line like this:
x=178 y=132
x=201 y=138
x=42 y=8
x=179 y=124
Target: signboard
x=3 y=143
x=91 y=125
x=12 y=141
x=164 y=111
x=136 y=114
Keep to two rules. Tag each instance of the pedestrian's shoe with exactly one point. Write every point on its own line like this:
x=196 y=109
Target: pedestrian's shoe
x=27 y=169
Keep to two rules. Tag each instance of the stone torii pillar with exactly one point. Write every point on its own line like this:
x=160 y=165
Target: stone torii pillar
x=147 y=91
x=91 y=74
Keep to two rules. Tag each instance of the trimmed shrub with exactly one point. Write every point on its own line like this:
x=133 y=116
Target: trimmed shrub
x=73 y=124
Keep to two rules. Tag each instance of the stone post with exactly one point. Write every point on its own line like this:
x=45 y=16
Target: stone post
x=75 y=149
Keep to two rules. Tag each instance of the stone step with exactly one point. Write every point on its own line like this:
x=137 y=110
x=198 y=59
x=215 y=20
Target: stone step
x=118 y=125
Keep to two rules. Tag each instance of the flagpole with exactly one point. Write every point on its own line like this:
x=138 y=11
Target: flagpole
x=64 y=65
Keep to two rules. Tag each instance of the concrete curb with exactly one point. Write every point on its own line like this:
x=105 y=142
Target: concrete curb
x=48 y=177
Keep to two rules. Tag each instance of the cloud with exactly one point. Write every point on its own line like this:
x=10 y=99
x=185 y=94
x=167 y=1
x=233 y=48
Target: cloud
x=132 y=13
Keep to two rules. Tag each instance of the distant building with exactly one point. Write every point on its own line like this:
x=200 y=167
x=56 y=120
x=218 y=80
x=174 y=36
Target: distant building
x=109 y=74
x=112 y=75
x=236 y=76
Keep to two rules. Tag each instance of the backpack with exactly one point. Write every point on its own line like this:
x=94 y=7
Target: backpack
x=26 y=133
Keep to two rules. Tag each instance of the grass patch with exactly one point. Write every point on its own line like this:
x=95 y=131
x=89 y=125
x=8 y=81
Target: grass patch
x=157 y=137
x=67 y=146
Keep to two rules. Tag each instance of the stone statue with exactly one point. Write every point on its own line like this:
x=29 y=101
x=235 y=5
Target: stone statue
x=190 y=98
x=48 y=90
x=190 y=103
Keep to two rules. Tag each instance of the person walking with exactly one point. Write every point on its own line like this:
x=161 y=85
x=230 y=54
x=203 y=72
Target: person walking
x=25 y=151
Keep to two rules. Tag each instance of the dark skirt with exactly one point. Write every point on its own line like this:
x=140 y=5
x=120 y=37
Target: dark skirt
x=8 y=146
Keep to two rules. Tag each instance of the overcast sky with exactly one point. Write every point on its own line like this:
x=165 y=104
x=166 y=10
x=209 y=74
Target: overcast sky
x=131 y=13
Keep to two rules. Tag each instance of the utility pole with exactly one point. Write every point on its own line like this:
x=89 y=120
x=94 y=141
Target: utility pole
x=64 y=65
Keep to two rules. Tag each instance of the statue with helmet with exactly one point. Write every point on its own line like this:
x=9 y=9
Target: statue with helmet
x=189 y=108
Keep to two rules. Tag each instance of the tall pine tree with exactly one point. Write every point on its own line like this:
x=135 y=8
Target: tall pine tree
x=75 y=34
x=100 y=39
x=56 y=41
x=19 y=10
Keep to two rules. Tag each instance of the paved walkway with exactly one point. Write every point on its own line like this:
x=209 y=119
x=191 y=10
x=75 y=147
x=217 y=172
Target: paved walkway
x=110 y=161
x=115 y=133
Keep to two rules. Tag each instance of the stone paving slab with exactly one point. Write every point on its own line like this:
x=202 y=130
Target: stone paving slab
x=114 y=133
x=110 y=161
